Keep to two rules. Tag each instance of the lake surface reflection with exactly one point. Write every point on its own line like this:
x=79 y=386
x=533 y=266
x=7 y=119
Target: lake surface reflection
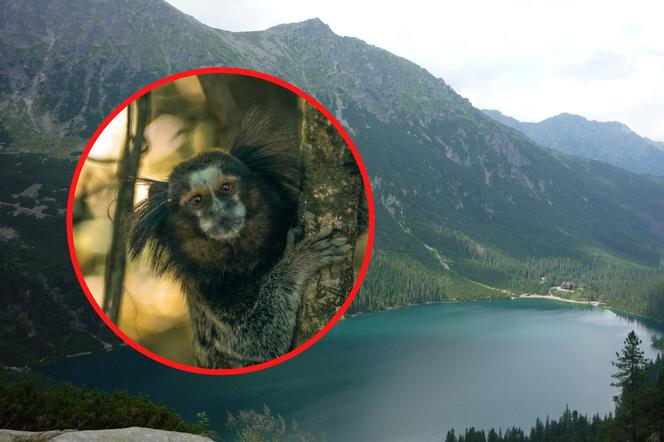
x=407 y=374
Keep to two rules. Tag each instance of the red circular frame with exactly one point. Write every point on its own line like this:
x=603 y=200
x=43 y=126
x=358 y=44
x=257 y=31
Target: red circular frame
x=358 y=280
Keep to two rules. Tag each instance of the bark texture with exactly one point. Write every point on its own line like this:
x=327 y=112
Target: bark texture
x=331 y=197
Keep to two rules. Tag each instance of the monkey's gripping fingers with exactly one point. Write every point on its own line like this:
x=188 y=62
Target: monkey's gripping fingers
x=320 y=250
x=294 y=236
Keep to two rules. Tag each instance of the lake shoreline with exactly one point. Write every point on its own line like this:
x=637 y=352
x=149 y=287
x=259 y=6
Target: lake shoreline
x=513 y=297
x=416 y=304
x=507 y=297
x=558 y=298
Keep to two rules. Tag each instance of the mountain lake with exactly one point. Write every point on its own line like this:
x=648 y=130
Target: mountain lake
x=406 y=374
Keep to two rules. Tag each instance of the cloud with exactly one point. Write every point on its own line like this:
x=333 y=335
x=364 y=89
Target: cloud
x=531 y=60
x=600 y=65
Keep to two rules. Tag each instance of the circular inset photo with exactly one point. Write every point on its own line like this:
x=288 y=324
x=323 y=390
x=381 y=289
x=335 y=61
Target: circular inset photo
x=220 y=221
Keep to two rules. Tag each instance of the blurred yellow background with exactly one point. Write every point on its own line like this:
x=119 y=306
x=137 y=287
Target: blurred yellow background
x=153 y=311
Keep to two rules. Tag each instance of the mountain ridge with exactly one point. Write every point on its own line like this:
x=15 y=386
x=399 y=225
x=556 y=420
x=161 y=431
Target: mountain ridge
x=611 y=142
x=465 y=207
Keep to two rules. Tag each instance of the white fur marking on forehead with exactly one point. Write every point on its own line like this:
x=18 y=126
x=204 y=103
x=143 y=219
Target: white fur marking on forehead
x=205 y=177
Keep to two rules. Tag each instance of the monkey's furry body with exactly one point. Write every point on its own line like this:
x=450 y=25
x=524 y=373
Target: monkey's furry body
x=224 y=224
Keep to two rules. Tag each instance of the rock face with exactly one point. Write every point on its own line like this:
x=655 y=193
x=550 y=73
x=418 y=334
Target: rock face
x=113 y=435
x=610 y=142
x=441 y=160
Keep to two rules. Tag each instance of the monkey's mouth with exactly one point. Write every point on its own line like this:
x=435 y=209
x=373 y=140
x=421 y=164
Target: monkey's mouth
x=222 y=229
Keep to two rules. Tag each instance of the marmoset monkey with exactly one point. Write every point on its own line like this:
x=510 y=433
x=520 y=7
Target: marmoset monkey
x=224 y=224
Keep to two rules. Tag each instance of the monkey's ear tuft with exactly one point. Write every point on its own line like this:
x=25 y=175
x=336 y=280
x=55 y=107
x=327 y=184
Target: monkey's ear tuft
x=146 y=222
x=157 y=189
x=154 y=186
x=269 y=152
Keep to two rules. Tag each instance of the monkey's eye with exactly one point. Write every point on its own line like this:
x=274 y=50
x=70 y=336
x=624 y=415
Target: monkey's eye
x=228 y=187
x=197 y=200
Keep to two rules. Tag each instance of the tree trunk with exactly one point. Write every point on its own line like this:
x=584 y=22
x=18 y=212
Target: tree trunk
x=331 y=190
x=116 y=258
x=331 y=183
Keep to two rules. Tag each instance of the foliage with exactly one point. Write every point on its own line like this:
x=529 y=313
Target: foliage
x=252 y=426
x=571 y=426
x=36 y=404
x=658 y=343
x=43 y=311
x=631 y=366
x=396 y=280
x=401 y=278
x=5 y=137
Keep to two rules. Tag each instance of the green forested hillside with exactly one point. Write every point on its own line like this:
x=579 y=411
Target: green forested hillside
x=44 y=313
x=465 y=207
x=509 y=215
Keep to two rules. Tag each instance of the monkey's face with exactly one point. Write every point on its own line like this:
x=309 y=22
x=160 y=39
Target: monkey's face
x=214 y=213
x=213 y=203
x=207 y=198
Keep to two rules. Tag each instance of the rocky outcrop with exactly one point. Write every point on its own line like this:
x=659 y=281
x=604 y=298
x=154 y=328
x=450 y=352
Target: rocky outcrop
x=112 y=435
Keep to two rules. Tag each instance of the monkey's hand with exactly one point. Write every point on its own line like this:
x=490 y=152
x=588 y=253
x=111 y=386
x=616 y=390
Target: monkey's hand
x=307 y=256
x=268 y=332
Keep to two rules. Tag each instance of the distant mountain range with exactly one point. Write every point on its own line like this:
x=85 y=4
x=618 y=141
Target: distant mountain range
x=466 y=208
x=610 y=142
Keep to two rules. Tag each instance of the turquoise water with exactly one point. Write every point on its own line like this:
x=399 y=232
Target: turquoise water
x=407 y=374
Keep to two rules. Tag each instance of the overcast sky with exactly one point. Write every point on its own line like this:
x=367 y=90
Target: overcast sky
x=529 y=59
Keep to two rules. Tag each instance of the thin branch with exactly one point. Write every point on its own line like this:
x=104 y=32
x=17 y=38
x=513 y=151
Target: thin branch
x=108 y=161
x=128 y=169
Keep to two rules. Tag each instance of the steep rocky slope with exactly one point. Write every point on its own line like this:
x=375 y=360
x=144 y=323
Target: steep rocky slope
x=466 y=207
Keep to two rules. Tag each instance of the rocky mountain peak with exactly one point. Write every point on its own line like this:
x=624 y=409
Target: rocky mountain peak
x=567 y=117
x=313 y=27
x=608 y=141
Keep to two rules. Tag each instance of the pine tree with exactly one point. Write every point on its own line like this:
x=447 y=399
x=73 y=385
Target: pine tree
x=631 y=365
